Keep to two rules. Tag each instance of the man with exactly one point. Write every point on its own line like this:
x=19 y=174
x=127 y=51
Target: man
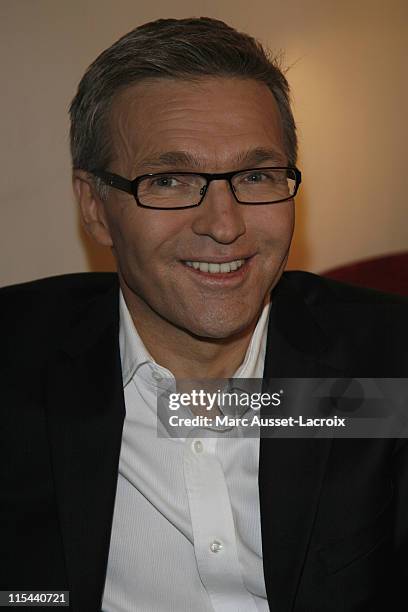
x=184 y=153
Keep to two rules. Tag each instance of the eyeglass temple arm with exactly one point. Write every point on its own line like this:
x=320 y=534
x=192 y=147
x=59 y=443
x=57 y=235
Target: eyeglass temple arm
x=114 y=180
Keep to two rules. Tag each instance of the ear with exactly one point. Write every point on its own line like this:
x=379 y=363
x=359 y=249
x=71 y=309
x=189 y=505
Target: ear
x=91 y=207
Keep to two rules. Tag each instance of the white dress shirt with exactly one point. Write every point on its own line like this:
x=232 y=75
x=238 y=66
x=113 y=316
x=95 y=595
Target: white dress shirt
x=186 y=533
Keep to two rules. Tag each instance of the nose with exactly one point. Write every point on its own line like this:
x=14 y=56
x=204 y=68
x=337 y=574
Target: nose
x=219 y=214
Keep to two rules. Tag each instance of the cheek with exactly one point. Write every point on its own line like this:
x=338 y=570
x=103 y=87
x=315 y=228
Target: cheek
x=144 y=241
x=275 y=225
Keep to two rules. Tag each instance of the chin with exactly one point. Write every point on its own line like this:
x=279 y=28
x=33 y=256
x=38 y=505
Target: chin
x=218 y=327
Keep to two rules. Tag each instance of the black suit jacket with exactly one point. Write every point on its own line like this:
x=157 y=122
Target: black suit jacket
x=334 y=512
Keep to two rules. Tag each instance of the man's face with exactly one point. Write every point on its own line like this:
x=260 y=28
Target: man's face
x=220 y=124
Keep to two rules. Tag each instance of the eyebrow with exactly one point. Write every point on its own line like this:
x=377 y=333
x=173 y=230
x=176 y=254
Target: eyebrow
x=186 y=159
x=260 y=155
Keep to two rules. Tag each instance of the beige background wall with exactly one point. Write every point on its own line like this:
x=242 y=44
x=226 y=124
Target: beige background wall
x=350 y=91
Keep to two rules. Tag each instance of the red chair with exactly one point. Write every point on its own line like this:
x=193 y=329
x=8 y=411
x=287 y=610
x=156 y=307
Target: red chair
x=387 y=273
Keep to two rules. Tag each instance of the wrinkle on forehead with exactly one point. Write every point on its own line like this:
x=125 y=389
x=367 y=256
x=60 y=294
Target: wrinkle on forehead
x=251 y=156
x=210 y=118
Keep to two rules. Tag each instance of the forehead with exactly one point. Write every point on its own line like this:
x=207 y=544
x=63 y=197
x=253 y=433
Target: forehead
x=212 y=118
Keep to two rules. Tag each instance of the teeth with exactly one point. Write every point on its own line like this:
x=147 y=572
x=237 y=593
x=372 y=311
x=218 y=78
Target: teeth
x=216 y=268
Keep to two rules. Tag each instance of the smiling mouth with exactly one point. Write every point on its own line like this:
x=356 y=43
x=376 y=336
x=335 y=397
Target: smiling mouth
x=217 y=268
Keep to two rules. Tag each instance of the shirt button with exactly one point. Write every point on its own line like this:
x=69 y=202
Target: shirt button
x=157 y=376
x=216 y=546
x=198 y=446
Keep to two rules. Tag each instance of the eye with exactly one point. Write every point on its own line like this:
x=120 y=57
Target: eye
x=255 y=177
x=165 y=181
x=263 y=176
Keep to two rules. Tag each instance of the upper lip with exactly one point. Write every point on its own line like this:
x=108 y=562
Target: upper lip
x=218 y=260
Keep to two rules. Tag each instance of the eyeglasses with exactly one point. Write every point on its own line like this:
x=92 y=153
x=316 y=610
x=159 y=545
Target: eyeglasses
x=178 y=190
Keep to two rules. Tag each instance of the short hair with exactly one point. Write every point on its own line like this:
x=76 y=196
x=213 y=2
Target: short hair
x=184 y=49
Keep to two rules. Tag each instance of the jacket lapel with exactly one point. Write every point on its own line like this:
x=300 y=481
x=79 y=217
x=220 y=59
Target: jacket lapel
x=86 y=410
x=291 y=470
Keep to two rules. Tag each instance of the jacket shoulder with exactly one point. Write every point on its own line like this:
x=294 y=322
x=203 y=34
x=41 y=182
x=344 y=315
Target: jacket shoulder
x=364 y=330
x=79 y=284
x=35 y=314
x=315 y=288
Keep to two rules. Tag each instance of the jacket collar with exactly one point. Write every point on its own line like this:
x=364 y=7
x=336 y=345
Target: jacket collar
x=295 y=327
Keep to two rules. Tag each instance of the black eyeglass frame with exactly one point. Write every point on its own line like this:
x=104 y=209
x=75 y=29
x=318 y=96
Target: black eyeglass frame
x=131 y=186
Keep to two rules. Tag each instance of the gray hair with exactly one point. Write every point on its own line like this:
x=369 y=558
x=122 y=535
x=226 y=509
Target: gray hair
x=185 y=49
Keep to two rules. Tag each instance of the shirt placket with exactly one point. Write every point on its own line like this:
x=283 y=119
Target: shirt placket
x=213 y=528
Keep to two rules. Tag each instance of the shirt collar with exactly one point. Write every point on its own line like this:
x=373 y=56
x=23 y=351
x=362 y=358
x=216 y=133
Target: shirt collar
x=133 y=352
x=253 y=364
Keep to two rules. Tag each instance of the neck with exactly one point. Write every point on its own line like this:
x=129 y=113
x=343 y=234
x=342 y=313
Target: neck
x=187 y=356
